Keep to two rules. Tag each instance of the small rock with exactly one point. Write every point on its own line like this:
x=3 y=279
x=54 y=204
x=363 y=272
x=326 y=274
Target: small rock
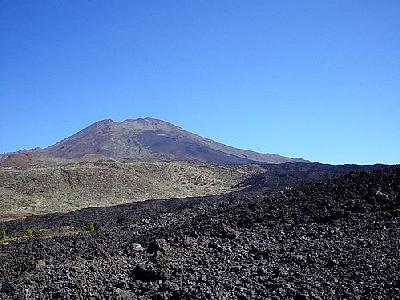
x=137 y=247
x=40 y=263
x=261 y=271
x=228 y=232
x=146 y=273
x=300 y=296
x=160 y=245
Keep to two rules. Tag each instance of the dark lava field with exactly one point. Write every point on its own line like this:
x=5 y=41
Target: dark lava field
x=332 y=239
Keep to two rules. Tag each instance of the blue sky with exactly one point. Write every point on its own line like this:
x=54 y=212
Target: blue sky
x=312 y=79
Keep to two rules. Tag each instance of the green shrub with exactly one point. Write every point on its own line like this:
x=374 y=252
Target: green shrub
x=90 y=227
x=28 y=233
x=101 y=229
x=3 y=236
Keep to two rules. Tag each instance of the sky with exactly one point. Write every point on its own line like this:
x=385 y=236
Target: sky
x=312 y=79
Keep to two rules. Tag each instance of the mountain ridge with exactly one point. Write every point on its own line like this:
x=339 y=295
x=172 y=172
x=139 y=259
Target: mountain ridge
x=142 y=139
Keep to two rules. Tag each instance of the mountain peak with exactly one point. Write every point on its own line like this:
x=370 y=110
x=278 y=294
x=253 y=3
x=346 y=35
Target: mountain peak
x=145 y=120
x=105 y=121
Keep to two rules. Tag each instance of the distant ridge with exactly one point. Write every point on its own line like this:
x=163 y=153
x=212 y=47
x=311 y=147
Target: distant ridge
x=144 y=139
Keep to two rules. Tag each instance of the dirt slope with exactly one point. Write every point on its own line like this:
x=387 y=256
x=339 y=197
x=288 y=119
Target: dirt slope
x=44 y=189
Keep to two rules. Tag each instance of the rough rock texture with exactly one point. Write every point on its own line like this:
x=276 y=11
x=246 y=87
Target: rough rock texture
x=276 y=177
x=338 y=239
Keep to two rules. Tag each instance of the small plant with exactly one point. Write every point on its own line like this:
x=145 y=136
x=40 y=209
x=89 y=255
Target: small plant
x=28 y=233
x=90 y=227
x=102 y=229
x=3 y=236
x=163 y=261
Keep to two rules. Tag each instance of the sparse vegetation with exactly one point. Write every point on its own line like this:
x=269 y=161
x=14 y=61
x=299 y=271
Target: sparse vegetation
x=45 y=189
x=163 y=262
x=3 y=236
x=28 y=233
x=90 y=227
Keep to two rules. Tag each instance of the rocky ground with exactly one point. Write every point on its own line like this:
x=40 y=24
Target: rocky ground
x=278 y=176
x=338 y=239
x=67 y=186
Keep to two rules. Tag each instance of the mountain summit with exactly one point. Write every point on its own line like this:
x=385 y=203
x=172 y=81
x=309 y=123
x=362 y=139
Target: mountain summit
x=152 y=139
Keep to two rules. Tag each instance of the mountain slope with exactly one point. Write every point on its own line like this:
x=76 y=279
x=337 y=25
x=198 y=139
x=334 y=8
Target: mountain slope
x=152 y=139
x=57 y=188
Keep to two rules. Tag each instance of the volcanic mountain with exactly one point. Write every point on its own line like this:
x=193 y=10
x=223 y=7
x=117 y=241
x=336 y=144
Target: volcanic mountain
x=147 y=139
x=110 y=163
